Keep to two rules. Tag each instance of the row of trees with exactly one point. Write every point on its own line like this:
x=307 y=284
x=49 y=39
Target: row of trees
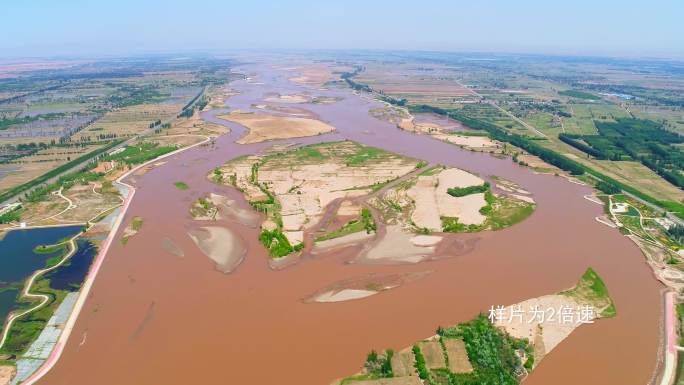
x=501 y=135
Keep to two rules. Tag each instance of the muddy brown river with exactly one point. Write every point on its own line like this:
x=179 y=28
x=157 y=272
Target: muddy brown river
x=157 y=318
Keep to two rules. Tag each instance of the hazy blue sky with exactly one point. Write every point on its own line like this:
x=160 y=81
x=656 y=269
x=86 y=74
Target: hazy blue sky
x=603 y=27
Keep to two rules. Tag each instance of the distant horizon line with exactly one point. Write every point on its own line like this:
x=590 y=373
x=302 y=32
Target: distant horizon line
x=214 y=51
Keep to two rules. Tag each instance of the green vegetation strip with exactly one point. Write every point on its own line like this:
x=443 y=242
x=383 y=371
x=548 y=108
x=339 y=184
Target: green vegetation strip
x=579 y=94
x=548 y=155
x=277 y=244
x=592 y=290
x=140 y=153
x=463 y=191
x=366 y=223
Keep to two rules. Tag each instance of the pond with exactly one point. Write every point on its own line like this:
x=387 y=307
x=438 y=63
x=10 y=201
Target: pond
x=18 y=260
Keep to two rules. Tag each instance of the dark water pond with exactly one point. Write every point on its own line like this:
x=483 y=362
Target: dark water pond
x=18 y=261
x=70 y=276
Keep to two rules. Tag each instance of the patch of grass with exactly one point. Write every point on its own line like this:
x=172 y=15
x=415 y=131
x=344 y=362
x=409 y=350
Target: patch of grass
x=308 y=153
x=365 y=154
x=432 y=171
x=181 y=185
x=351 y=227
x=579 y=94
x=277 y=244
x=463 y=191
x=140 y=153
x=136 y=223
x=203 y=208
x=49 y=249
x=591 y=290
x=452 y=225
x=420 y=365
x=365 y=223
x=468 y=133
x=506 y=212
x=500 y=212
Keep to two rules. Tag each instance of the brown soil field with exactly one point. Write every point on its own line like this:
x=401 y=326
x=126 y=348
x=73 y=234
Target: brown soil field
x=6 y=374
x=194 y=125
x=129 y=121
x=432 y=351
x=315 y=75
x=264 y=127
x=458 y=357
x=30 y=167
x=403 y=363
x=434 y=85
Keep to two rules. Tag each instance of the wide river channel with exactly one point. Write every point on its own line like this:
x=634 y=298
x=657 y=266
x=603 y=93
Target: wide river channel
x=157 y=318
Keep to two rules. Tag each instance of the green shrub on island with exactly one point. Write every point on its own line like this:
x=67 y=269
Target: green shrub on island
x=463 y=191
x=277 y=244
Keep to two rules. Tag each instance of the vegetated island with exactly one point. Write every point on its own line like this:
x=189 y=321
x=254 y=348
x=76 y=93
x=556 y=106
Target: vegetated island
x=491 y=349
x=294 y=188
x=443 y=199
x=363 y=187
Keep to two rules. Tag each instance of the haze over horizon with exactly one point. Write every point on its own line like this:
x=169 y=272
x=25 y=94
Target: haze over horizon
x=78 y=27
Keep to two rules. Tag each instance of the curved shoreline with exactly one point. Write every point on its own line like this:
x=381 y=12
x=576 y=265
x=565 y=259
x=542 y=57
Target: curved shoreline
x=26 y=292
x=95 y=268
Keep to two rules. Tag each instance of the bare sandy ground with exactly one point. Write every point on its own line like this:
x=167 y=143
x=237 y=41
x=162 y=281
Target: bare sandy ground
x=511 y=187
x=336 y=243
x=293 y=98
x=264 y=127
x=220 y=245
x=441 y=131
x=475 y=142
x=432 y=202
x=228 y=209
x=544 y=335
x=458 y=357
x=344 y=295
x=216 y=207
x=396 y=246
x=426 y=240
x=6 y=374
x=362 y=287
x=287 y=110
x=403 y=363
x=523 y=198
x=348 y=208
